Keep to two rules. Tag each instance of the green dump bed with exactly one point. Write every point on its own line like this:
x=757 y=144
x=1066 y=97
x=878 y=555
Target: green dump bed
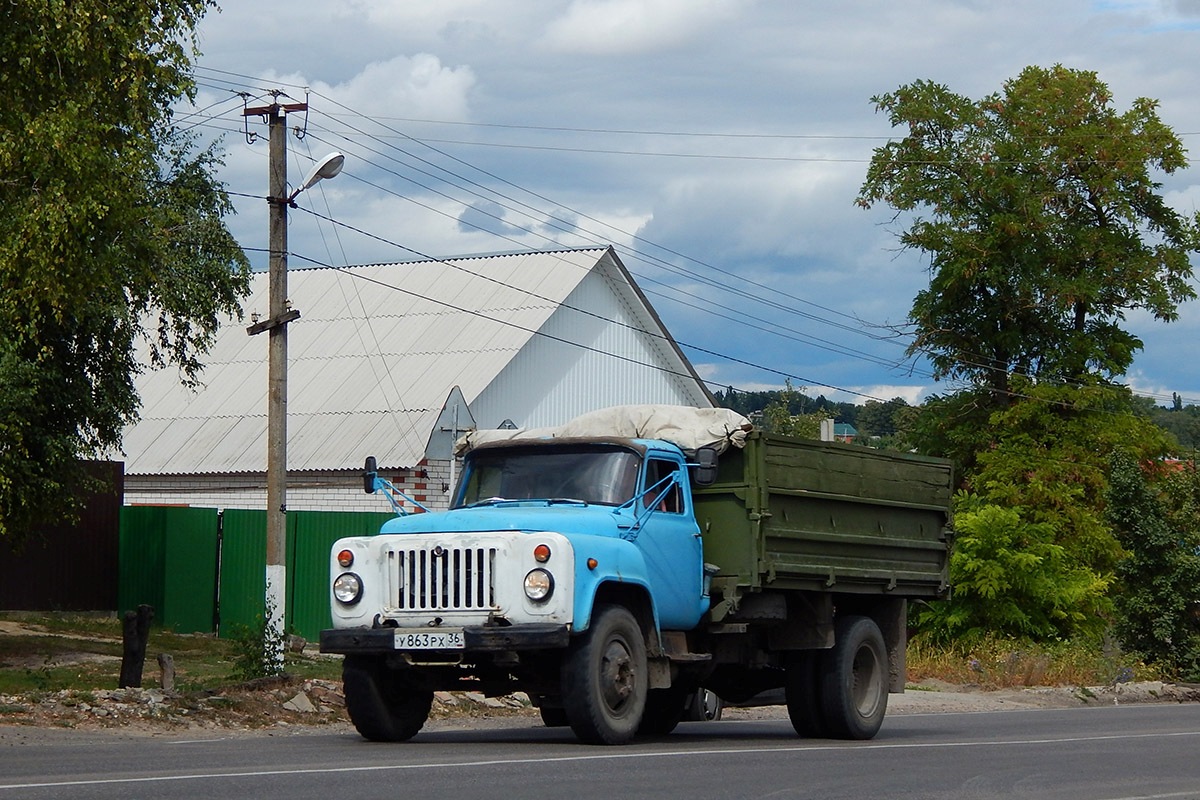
x=789 y=513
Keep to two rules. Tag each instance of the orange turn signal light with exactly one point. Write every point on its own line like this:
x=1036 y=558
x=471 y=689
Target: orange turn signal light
x=592 y=563
x=345 y=559
x=541 y=553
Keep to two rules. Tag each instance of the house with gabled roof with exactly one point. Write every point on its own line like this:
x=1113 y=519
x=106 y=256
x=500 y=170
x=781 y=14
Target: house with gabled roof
x=394 y=361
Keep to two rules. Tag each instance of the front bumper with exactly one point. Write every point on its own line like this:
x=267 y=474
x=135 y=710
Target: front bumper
x=536 y=636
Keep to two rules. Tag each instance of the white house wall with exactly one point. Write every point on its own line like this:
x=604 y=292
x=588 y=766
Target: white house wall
x=317 y=491
x=592 y=353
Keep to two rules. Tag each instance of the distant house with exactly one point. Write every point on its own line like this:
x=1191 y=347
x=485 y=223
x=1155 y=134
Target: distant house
x=394 y=360
x=844 y=432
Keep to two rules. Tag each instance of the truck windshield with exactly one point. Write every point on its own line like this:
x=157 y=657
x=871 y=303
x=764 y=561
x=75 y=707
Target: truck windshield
x=600 y=476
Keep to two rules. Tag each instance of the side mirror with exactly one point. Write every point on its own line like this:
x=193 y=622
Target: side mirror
x=705 y=472
x=370 y=471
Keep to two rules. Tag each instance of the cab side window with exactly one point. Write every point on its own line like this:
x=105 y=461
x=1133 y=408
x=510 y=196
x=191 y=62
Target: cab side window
x=669 y=499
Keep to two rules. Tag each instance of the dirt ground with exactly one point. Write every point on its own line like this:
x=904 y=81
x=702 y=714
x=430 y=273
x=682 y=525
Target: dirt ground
x=284 y=705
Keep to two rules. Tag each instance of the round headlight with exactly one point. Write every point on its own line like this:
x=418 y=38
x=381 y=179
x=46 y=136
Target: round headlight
x=347 y=588
x=539 y=584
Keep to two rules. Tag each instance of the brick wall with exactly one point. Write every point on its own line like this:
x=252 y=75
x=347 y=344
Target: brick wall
x=342 y=490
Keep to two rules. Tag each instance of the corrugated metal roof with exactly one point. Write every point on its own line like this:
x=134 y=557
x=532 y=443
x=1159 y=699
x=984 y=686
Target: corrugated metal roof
x=370 y=362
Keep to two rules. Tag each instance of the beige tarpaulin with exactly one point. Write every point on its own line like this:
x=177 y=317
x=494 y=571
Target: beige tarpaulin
x=686 y=427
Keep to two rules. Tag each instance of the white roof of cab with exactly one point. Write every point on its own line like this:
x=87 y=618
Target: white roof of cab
x=687 y=428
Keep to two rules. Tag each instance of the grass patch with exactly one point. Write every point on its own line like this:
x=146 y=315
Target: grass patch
x=998 y=663
x=51 y=652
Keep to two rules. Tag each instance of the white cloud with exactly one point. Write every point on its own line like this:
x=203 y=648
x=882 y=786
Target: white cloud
x=635 y=26
x=417 y=86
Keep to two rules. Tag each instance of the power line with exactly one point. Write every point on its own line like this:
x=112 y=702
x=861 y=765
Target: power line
x=639 y=255
x=633 y=236
x=534 y=332
x=664 y=264
x=978 y=362
x=623 y=132
x=796 y=335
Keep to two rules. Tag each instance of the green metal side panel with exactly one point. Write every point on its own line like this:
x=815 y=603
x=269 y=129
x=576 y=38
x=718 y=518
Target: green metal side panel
x=168 y=559
x=243 y=569
x=798 y=514
x=311 y=535
x=141 y=553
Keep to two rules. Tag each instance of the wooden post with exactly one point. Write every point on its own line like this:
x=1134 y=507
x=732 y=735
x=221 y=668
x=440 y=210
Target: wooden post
x=166 y=666
x=135 y=634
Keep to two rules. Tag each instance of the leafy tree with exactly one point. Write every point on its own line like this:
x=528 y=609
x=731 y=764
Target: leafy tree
x=778 y=418
x=1181 y=421
x=1010 y=578
x=1158 y=605
x=1043 y=462
x=108 y=216
x=955 y=426
x=1043 y=224
x=877 y=418
x=1049 y=453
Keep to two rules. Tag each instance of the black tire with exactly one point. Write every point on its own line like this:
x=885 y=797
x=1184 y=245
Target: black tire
x=604 y=678
x=665 y=709
x=854 y=680
x=704 y=706
x=553 y=716
x=802 y=692
x=381 y=704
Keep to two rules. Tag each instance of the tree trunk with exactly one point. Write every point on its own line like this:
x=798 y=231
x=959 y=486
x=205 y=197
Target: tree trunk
x=135 y=635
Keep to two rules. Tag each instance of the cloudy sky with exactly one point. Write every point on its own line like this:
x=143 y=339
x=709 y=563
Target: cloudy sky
x=717 y=144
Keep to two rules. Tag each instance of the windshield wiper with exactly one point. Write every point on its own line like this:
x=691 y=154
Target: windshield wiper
x=490 y=501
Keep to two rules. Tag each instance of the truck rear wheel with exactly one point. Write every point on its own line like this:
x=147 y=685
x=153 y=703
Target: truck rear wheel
x=604 y=678
x=854 y=680
x=383 y=706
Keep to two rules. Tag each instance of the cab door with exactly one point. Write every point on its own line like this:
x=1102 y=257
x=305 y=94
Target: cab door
x=670 y=542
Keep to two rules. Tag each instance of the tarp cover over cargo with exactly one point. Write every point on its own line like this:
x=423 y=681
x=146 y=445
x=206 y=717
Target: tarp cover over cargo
x=687 y=428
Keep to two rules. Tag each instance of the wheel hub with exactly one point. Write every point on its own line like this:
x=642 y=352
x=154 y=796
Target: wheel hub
x=617 y=674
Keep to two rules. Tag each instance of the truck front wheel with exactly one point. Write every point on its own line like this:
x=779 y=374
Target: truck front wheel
x=383 y=706
x=605 y=679
x=854 y=680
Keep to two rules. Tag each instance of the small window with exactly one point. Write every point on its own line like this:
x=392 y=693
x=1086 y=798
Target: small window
x=662 y=492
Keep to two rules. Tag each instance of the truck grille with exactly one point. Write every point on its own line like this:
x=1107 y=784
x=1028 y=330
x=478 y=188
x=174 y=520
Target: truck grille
x=443 y=578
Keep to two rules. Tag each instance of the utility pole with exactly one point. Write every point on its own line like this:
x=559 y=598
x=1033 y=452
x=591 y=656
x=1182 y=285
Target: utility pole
x=279 y=315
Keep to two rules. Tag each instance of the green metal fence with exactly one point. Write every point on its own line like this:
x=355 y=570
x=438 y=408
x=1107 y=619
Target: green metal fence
x=167 y=558
x=243 y=581
x=205 y=570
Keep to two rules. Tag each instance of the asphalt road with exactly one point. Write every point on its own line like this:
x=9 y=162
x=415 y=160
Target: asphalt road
x=1104 y=753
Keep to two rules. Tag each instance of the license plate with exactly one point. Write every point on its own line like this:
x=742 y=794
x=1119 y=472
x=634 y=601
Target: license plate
x=429 y=640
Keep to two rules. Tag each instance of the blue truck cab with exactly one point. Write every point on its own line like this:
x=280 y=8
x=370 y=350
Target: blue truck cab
x=490 y=595
x=624 y=506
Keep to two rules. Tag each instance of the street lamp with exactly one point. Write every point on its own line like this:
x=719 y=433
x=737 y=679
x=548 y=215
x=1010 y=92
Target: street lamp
x=276 y=324
x=327 y=167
